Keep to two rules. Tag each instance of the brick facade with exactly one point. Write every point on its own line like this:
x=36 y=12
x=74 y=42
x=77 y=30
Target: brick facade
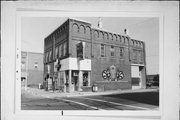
x=110 y=55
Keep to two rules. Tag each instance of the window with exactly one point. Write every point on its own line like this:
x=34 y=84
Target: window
x=35 y=65
x=23 y=65
x=62 y=50
x=50 y=55
x=65 y=48
x=135 y=56
x=121 y=52
x=47 y=57
x=140 y=56
x=60 y=53
x=56 y=52
x=102 y=50
x=112 y=51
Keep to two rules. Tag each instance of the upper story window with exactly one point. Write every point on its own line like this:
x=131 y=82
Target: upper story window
x=35 y=65
x=46 y=60
x=103 y=50
x=121 y=52
x=60 y=53
x=23 y=65
x=112 y=50
x=135 y=56
x=62 y=50
x=65 y=48
x=50 y=55
x=140 y=56
x=56 y=52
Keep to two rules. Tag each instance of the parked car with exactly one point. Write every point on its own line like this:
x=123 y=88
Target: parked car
x=153 y=82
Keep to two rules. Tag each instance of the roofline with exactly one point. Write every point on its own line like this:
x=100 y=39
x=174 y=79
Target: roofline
x=57 y=28
x=77 y=19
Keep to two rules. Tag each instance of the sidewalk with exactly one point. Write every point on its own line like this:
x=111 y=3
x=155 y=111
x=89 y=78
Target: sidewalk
x=51 y=94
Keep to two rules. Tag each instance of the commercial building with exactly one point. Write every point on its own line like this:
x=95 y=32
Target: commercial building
x=31 y=69
x=78 y=56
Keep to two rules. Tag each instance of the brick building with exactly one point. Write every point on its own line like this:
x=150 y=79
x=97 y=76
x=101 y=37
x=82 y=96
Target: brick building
x=77 y=56
x=31 y=68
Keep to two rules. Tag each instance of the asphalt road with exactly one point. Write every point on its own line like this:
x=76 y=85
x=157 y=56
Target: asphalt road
x=130 y=101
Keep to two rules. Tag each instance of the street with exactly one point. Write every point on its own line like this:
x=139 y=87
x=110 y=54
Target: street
x=128 y=101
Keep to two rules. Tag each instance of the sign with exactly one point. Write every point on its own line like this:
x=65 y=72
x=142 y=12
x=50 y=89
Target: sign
x=57 y=65
x=48 y=68
x=113 y=74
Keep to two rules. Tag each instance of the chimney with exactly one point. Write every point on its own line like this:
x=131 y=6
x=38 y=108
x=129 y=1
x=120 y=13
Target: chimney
x=126 y=32
x=100 y=23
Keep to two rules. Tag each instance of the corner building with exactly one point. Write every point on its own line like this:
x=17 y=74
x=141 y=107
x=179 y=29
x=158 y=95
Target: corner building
x=77 y=56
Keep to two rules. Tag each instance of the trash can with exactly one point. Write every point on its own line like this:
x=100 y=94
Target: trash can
x=94 y=88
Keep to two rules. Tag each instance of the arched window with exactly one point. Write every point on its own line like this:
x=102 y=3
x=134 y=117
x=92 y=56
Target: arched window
x=101 y=35
x=110 y=36
x=96 y=34
x=114 y=37
x=75 y=28
x=105 y=36
x=118 y=38
x=122 y=39
x=82 y=29
x=88 y=30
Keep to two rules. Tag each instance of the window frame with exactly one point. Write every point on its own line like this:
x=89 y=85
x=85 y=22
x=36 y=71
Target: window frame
x=112 y=50
x=121 y=52
x=103 y=51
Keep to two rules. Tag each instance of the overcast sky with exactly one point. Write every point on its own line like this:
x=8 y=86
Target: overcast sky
x=35 y=29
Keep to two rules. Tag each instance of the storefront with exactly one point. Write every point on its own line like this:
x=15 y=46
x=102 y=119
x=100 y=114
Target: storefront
x=73 y=74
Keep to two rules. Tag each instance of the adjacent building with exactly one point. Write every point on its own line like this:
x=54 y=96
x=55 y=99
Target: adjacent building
x=31 y=69
x=78 y=57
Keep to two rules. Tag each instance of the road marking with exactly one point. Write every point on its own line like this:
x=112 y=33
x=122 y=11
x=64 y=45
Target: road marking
x=82 y=104
x=117 y=103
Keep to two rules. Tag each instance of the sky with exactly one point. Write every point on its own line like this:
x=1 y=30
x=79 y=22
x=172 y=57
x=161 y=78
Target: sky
x=35 y=29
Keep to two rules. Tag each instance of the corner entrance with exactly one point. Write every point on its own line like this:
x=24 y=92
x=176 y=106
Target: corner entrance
x=75 y=80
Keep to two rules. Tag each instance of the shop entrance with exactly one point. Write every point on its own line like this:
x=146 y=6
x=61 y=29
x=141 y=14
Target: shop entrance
x=75 y=80
x=85 y=79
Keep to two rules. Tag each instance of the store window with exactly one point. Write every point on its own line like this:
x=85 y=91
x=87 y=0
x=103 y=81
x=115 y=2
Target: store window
x=102 y=50
x=112 y=50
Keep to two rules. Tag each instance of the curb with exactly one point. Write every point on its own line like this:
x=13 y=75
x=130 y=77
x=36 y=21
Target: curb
x=36 y=92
